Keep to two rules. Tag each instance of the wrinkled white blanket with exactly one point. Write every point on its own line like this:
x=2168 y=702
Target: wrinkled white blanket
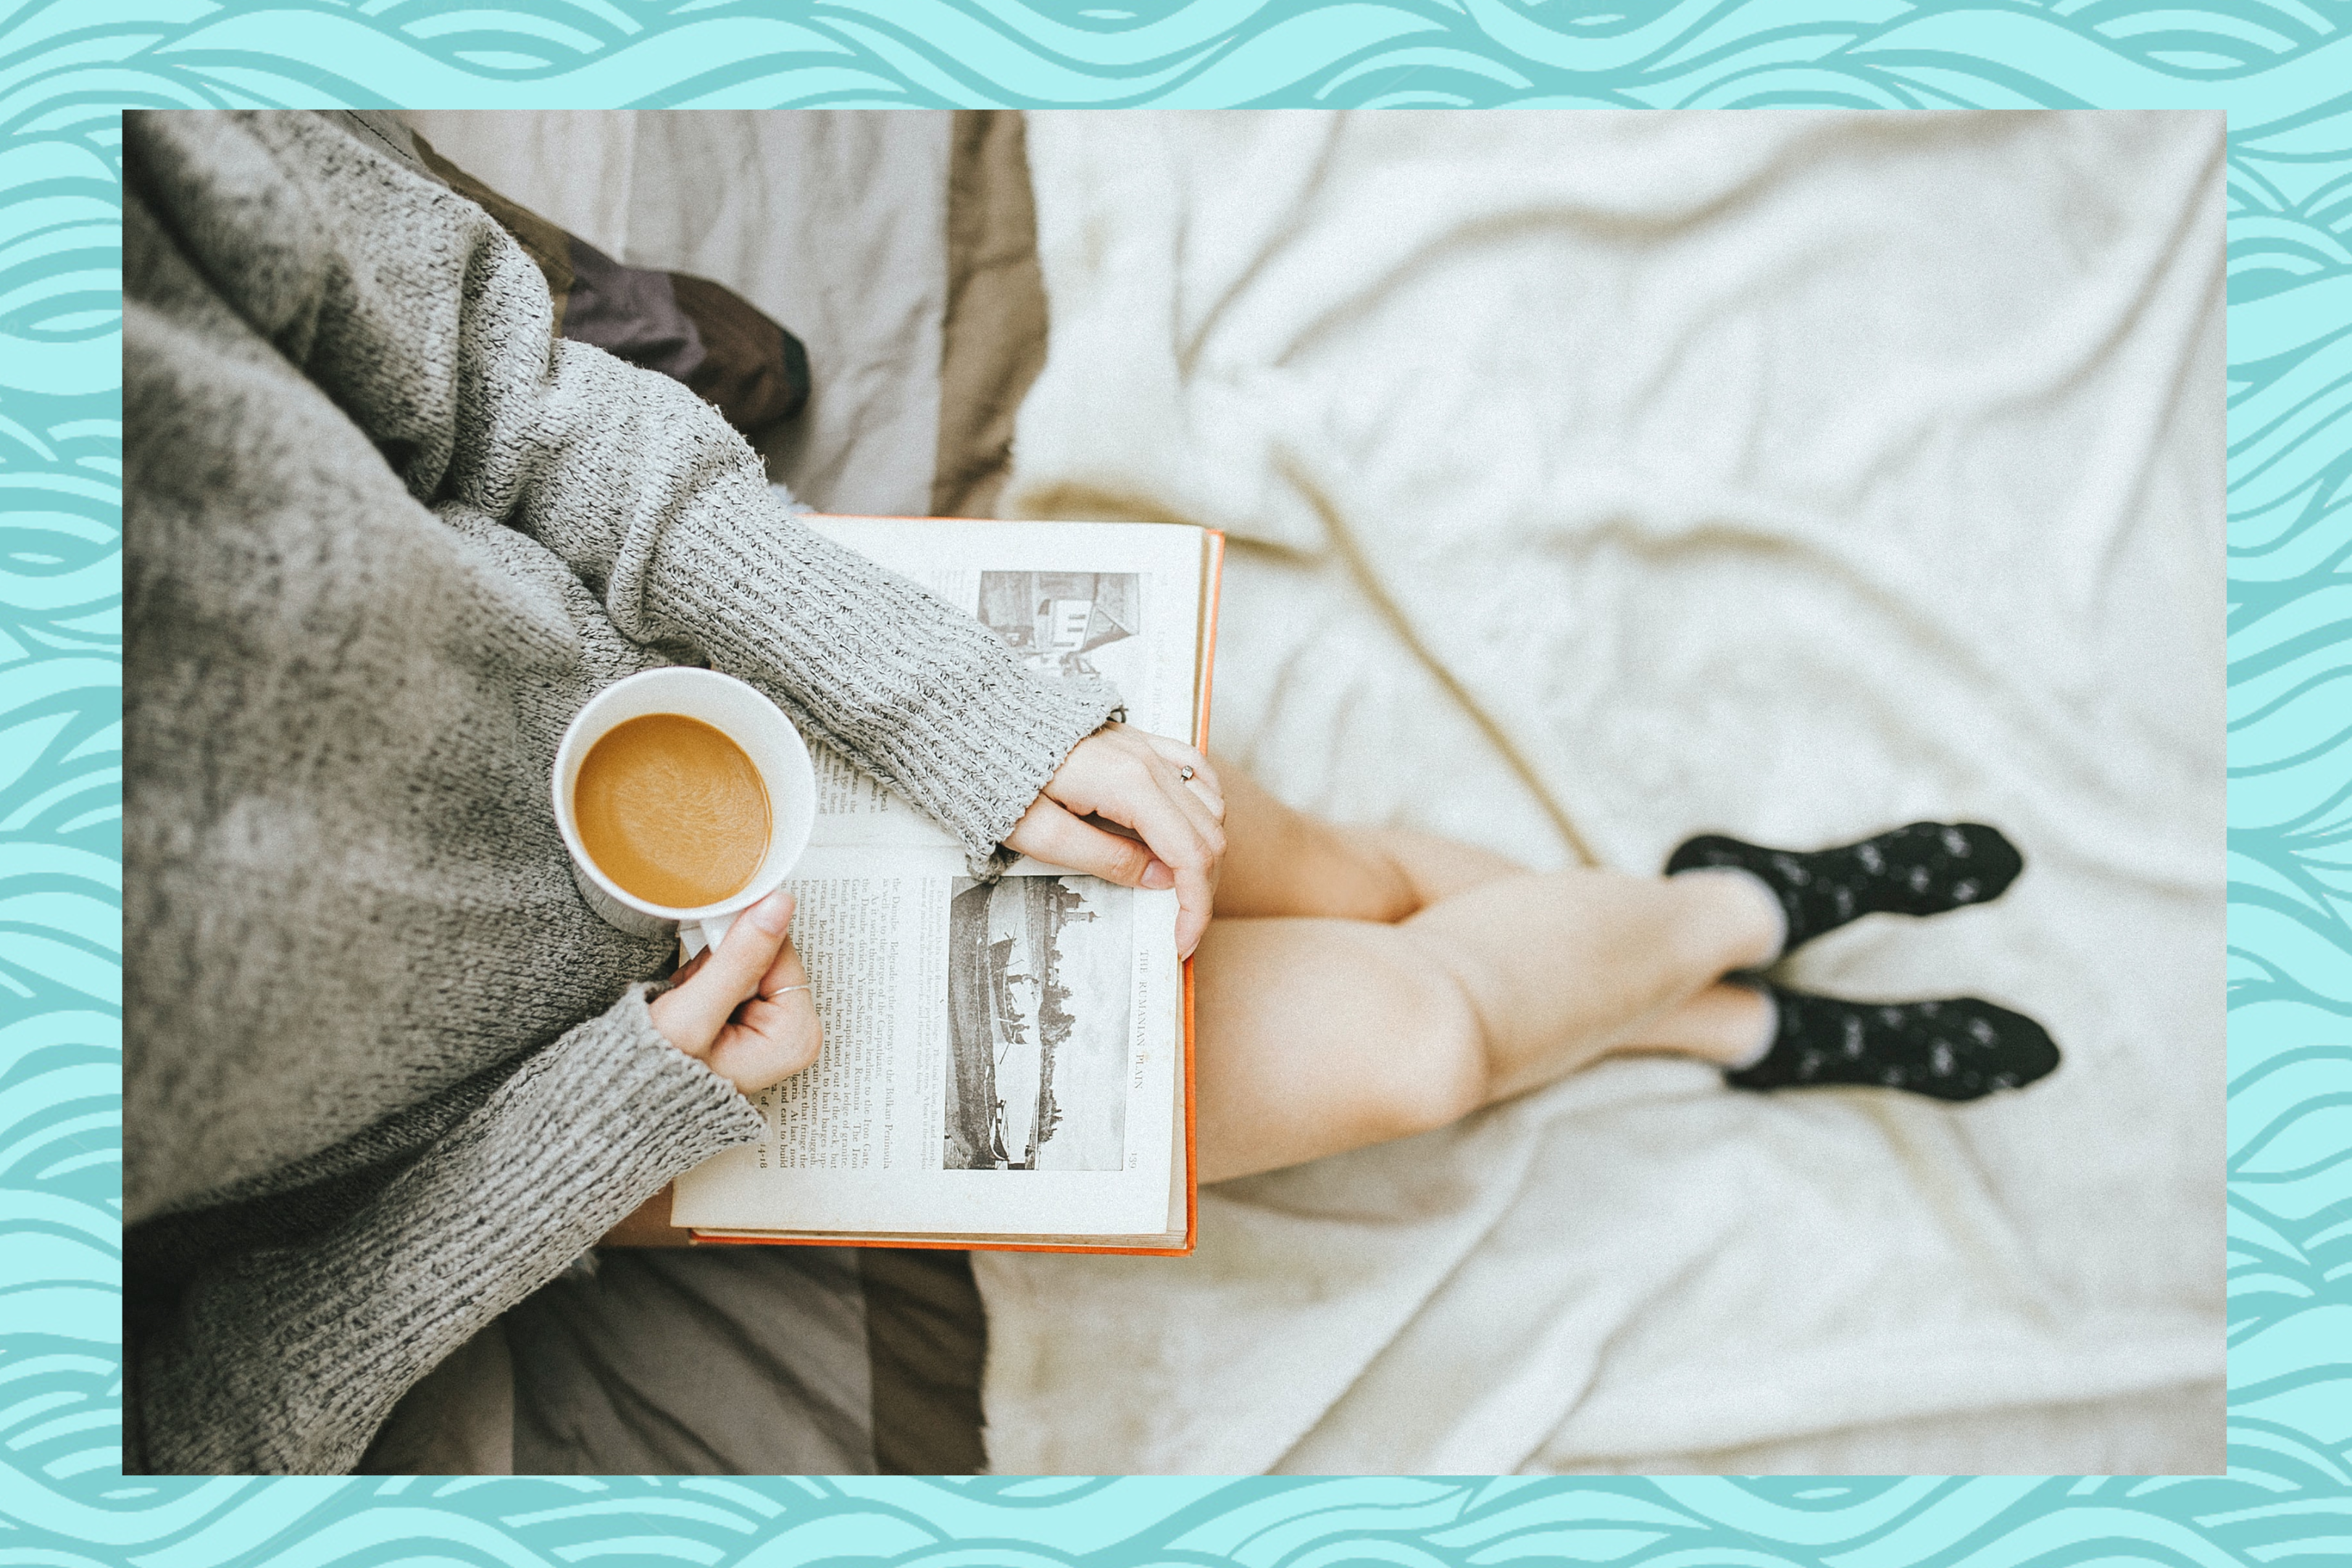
x=1599 y=480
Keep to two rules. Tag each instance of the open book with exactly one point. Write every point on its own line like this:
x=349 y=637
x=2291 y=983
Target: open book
x=1005 y=1065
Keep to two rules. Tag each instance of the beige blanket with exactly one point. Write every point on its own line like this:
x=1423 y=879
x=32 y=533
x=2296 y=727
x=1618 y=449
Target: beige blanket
x=1596 y=481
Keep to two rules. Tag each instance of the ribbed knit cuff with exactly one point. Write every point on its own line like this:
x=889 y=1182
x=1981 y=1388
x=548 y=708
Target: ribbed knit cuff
x=288 y=1360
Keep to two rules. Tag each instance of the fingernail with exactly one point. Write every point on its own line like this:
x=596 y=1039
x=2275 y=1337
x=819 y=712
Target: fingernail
x=772 y=914
x=1158 y=877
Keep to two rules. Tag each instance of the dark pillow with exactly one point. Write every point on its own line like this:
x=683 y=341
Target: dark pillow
x=700 y=333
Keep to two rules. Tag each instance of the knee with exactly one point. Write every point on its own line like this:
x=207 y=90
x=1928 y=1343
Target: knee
x=1436 y=1071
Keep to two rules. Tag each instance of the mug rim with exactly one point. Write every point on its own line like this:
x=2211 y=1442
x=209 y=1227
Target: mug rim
x=734 y=903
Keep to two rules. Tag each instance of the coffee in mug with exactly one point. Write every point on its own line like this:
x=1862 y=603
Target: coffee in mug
x=684 y=796
x=672 y=810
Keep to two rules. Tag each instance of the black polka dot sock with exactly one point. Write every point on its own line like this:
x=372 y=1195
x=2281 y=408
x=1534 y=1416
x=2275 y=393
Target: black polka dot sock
x=1922 y=870
x=1956 y=1049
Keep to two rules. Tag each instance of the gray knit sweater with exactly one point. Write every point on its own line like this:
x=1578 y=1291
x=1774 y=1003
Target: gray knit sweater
x=385 y=1073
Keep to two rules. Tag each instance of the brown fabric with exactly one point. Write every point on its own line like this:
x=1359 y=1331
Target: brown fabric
x=993 y=342
x=926 y=1338
x=753 y=370
x=703 y=333
x=632 y=314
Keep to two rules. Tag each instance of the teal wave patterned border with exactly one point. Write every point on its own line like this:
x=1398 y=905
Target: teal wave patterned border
x=2282 y=68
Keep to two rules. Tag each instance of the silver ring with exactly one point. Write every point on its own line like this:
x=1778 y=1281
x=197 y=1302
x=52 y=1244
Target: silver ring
x=779 y=990
x=1185 y=773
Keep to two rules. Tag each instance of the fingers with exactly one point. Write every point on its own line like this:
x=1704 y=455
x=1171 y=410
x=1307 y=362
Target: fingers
x=1135 y=779
x=1204 y=783
x=1201 y=796
x=1183 y=833
x=1206 y=808
x=692 y=1013
x=1053 y=834
x=773 y=1035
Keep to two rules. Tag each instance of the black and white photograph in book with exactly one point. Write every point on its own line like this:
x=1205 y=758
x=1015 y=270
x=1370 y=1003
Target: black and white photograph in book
x=1067 y=624
x=1039 y=970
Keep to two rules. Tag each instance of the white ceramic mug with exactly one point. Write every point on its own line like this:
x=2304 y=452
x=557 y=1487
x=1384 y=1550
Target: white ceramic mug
x=745 y=717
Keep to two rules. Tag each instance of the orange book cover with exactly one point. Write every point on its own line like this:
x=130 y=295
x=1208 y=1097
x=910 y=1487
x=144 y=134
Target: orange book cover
x=1211 y=592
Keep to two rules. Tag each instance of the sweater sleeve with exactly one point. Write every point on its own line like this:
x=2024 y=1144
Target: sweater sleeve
x=433 y=333
x=287 y=1360
x=689 y=550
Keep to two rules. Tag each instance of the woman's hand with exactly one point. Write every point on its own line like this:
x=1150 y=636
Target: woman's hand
x=1137 y=780
x=733 y=1008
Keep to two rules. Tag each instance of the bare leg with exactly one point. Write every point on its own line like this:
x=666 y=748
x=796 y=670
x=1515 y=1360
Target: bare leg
x=1279 y=861
x=1319 y=1035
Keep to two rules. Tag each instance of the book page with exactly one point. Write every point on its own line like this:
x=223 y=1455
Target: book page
x=1120 y=601
x=998 y=1058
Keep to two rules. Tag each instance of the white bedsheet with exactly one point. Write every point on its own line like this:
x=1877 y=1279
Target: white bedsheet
x=1600 y=479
